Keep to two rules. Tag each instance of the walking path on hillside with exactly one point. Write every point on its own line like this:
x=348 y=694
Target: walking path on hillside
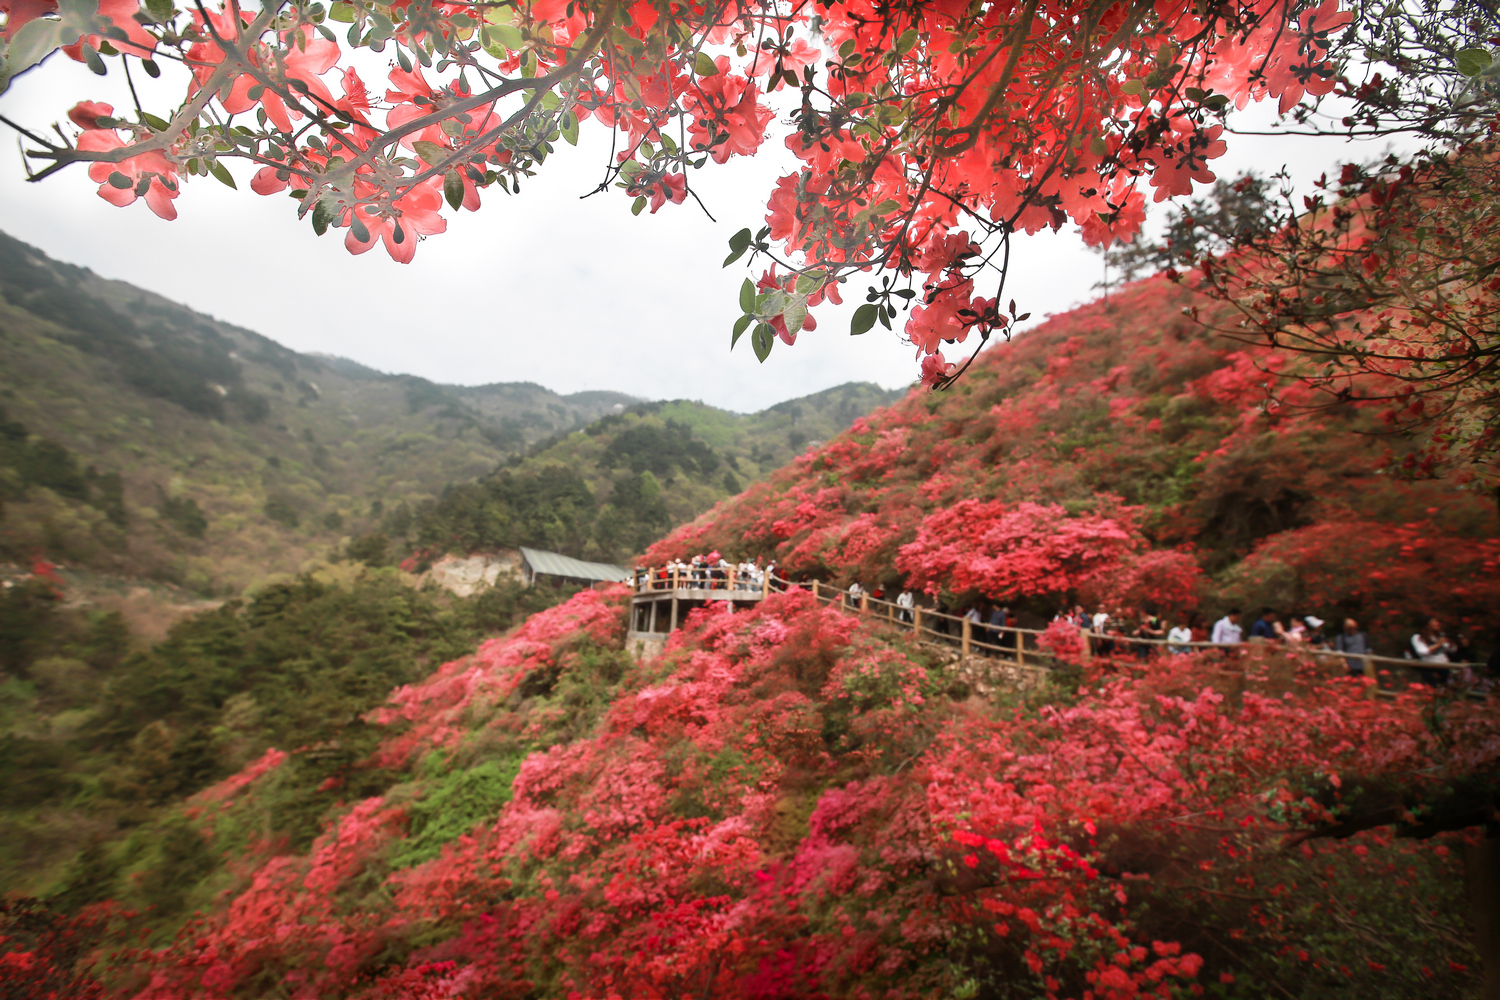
x=1016 y=647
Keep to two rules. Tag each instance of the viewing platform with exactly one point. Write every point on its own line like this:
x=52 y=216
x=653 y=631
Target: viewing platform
x=663 y=597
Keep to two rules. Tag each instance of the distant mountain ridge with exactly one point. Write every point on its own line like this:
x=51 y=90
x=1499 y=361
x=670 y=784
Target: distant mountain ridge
x=237 y=458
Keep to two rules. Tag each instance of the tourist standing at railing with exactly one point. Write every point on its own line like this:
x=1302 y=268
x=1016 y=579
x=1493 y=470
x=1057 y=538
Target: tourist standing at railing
x=1227 y=630
x=975 y=617
x=1178 y=637
x=999 y=622
x=1463 y=650
x=855 y=593
x=1101 y=623
x=1314 y=636
x=1150 y=627
x=1267 y=627
x=1355 y=645
x=905 y=602
x=1432 y=646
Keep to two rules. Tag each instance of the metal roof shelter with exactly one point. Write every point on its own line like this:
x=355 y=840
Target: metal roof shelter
x=536 y=562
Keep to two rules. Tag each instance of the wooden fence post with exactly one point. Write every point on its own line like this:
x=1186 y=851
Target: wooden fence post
x=916 y=621
x=674 y=578
x=765 y=583
x=815 y=589
x=864 y=603
x=967 y=630
x=1020 y=648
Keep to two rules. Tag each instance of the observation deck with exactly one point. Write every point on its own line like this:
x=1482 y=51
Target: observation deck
x=664 y=596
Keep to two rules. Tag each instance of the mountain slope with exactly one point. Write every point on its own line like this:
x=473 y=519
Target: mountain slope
x=221 y=458
x=608 y=491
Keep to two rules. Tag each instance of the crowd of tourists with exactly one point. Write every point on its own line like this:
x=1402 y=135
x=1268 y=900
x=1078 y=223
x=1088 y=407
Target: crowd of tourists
x=1142 y=635
x=1429 y=644
x=705 y=572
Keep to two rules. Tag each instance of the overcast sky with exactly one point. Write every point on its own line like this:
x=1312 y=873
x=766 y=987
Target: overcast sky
x=541 y=287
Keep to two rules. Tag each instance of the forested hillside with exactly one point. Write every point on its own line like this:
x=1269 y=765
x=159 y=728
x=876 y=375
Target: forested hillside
x=144 y=439
x=610 y=490
x=218 y=455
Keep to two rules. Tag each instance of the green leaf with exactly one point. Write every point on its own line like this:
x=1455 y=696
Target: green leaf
x=152 y=70
x=157 y=123
x=809 y=283
x=453 y=189
x=92 y=61
x=738 y=244
x=508 y=35
x=907 y=41
x=358 y=229
x=640 y=203
x=222 y=175
x=342 y=12
x=864 y=319
x=161 y=10
x=118 y=180
x=1135 y=87
x=1472 y=62
x=570 y=128
x=795 y=313
x=747 y=297
x=1098 y=146
x=740 y=326
x=704 y=65
x=430 y=151
x=763 y=339
x=770 y=303
x=322 y=217
x=33 y=42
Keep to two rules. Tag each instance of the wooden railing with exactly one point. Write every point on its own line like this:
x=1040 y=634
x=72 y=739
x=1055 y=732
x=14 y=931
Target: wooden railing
x=1019 y=644
x=1007 y=642
x=661 y=580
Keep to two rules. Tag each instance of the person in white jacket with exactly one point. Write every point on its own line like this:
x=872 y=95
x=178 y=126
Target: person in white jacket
x=1227 y=630
x=1432 y=646
x=1178 y=637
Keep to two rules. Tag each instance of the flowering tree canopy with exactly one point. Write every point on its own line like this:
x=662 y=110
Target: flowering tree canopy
x=927 y=135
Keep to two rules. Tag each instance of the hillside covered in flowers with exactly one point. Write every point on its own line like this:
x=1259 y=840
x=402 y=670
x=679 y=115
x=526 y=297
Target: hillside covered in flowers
x=798 y=802
x=1125 y=454
x=792 y=803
